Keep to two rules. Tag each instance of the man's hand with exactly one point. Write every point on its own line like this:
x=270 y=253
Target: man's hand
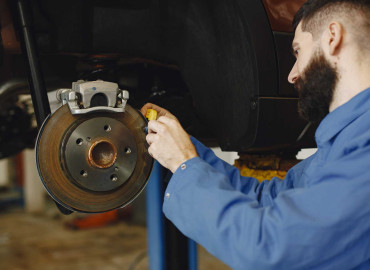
x=168 y=141
x=160 y=111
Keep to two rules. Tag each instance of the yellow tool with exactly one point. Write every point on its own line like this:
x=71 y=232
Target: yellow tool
x=151 y=114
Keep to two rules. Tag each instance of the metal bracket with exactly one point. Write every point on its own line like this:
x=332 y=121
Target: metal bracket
x=79 y=98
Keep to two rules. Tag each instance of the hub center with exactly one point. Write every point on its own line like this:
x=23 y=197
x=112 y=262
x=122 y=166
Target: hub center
x=102 y=154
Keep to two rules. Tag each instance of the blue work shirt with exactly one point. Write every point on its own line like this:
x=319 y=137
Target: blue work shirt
x=317 y=218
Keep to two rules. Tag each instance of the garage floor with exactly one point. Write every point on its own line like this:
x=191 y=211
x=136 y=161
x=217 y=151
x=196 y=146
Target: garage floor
x=44 y=243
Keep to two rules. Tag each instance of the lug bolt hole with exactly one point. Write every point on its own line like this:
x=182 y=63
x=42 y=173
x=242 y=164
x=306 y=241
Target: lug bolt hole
x=83 y=173
x=79 y=141
x=127 y=150
x=107 y=128
x=114 y=177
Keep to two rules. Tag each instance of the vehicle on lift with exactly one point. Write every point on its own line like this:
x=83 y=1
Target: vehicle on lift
x=213 y=64
x=219 y=66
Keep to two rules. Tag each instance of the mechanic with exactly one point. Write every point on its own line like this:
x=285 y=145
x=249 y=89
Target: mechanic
x=318 y=217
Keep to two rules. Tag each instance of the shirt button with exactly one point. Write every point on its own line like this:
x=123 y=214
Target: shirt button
x=183 y=166
x=167 y=195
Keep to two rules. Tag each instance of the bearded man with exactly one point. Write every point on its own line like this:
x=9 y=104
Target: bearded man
x=318 y=217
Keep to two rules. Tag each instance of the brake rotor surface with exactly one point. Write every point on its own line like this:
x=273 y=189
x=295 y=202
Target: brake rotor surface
x=93 y=162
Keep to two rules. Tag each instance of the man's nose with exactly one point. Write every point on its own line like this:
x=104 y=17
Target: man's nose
x=293 y=75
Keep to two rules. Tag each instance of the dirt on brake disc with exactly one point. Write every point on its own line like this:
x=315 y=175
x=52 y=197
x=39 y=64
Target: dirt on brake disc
x=93 y=162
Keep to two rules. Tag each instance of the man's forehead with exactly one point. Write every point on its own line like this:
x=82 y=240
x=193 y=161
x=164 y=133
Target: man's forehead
x=297 y=35
x=300 y=36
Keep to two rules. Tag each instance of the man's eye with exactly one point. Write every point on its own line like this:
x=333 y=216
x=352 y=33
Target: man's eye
x=295 y=52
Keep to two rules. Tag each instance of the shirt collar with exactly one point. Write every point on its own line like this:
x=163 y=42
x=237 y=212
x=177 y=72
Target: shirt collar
x=338 y=119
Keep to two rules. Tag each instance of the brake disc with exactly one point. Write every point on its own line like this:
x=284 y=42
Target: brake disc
x=93 y=162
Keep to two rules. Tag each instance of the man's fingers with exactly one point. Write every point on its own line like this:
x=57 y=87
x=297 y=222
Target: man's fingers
x=145 y=108
x=154 y=126
x=160 y=110
x=166 y=120
x=148 y=106
x=150 y=138
x=150 y=151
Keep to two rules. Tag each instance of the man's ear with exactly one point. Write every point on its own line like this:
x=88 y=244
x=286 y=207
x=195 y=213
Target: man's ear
x=335 y=37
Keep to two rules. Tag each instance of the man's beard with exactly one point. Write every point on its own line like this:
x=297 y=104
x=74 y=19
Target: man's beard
x=316 y=88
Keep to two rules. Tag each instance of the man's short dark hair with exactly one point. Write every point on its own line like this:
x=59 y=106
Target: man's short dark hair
x=314 y=13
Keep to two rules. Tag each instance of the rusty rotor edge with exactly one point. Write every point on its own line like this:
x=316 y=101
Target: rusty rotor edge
x=138 y=192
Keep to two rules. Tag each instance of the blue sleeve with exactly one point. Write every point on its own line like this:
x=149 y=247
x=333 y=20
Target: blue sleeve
x=264 y=192
x=316 y=227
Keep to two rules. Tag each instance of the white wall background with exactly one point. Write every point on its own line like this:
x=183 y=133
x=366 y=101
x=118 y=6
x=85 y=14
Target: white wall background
x=4 y=173
x=229 y=157
x=34 y=192
x=305 y=153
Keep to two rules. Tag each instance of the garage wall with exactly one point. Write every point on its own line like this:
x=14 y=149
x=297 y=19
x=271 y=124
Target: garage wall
x=4 y=173
x=229 y=157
